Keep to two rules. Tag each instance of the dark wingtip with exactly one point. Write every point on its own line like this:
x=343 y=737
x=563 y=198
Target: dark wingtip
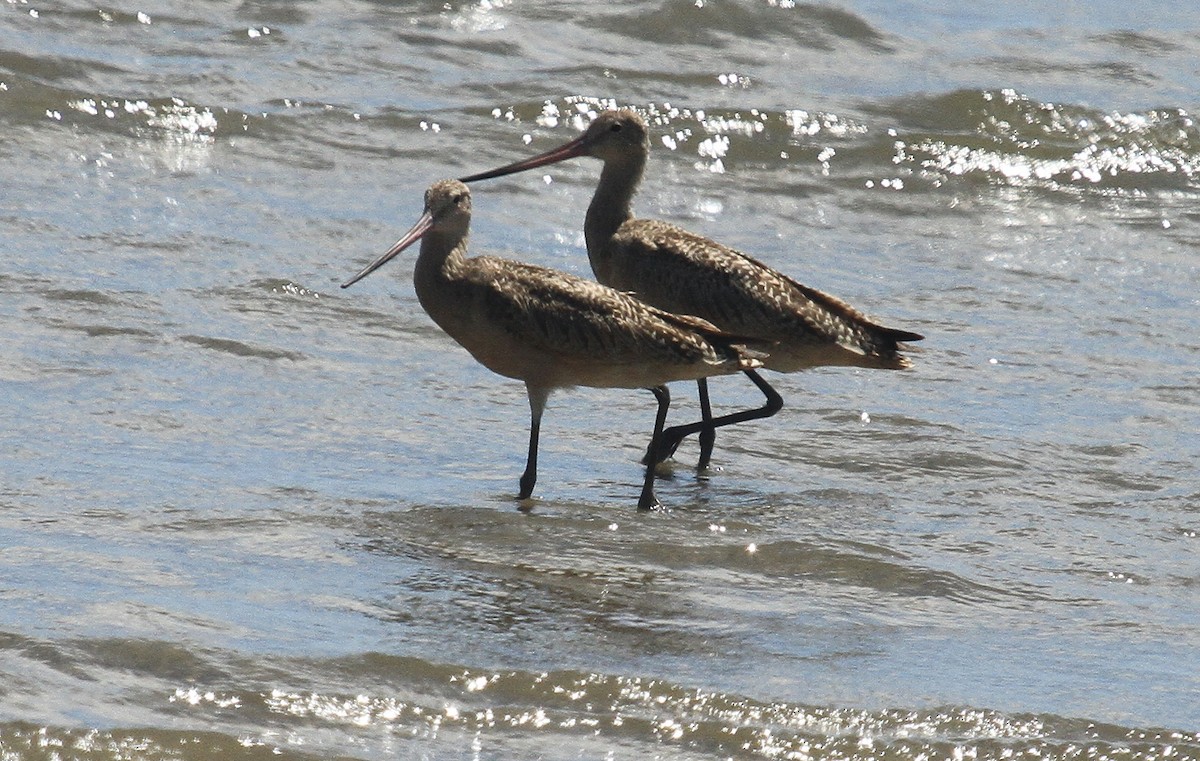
x=904 y=336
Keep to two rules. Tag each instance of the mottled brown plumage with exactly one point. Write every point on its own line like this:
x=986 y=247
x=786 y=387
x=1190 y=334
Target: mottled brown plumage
x=679 y=271
x=551 y=329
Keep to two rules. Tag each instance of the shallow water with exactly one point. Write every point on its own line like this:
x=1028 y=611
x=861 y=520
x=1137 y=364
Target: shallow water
x=247 y=514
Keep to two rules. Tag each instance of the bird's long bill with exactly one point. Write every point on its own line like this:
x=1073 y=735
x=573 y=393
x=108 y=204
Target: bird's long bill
x=412 y=236
x=570 y=150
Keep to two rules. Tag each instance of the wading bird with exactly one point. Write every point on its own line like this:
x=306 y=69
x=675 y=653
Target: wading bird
x=554 y=330
x=679 y=271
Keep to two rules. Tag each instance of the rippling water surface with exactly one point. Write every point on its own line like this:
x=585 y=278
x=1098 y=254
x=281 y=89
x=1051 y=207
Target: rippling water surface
x=247 y=514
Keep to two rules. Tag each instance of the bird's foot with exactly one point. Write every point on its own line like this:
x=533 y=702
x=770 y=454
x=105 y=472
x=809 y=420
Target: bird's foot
x=648 y=503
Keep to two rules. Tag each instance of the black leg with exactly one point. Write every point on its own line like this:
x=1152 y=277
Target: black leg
x=671 y=437
x=708 y=435
x=537 y=405
x=648 y=501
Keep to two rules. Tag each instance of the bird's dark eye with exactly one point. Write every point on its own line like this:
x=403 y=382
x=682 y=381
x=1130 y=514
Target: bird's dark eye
x=616 y=127
x=458 y=199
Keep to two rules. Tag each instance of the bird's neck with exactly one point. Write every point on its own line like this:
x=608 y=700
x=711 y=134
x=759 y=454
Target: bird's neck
x=611 y=206
x=441 y=261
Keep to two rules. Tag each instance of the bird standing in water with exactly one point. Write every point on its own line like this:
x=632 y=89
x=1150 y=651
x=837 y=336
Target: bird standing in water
x=679 y=271
x=554 y=330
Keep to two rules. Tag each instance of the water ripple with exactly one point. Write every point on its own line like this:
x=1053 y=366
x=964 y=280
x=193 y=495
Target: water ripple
x=491 y=709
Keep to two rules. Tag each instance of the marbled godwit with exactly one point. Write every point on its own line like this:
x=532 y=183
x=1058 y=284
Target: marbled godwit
x=554 y=330
x=679 y=271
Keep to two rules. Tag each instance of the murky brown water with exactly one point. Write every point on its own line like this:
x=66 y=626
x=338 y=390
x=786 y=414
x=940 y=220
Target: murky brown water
x=246 y=514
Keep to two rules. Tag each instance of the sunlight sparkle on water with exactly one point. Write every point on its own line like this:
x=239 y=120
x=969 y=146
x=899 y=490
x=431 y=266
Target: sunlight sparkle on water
x=195 y=697
x=181 y=119
x=803 y=123
x=293 y=289
x=734 y=80
x=476 y=683
x=616 y=706
x=549 y=115
x=1023 y=136
x=481 y=17
x=176 y=118
x=713 y=148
